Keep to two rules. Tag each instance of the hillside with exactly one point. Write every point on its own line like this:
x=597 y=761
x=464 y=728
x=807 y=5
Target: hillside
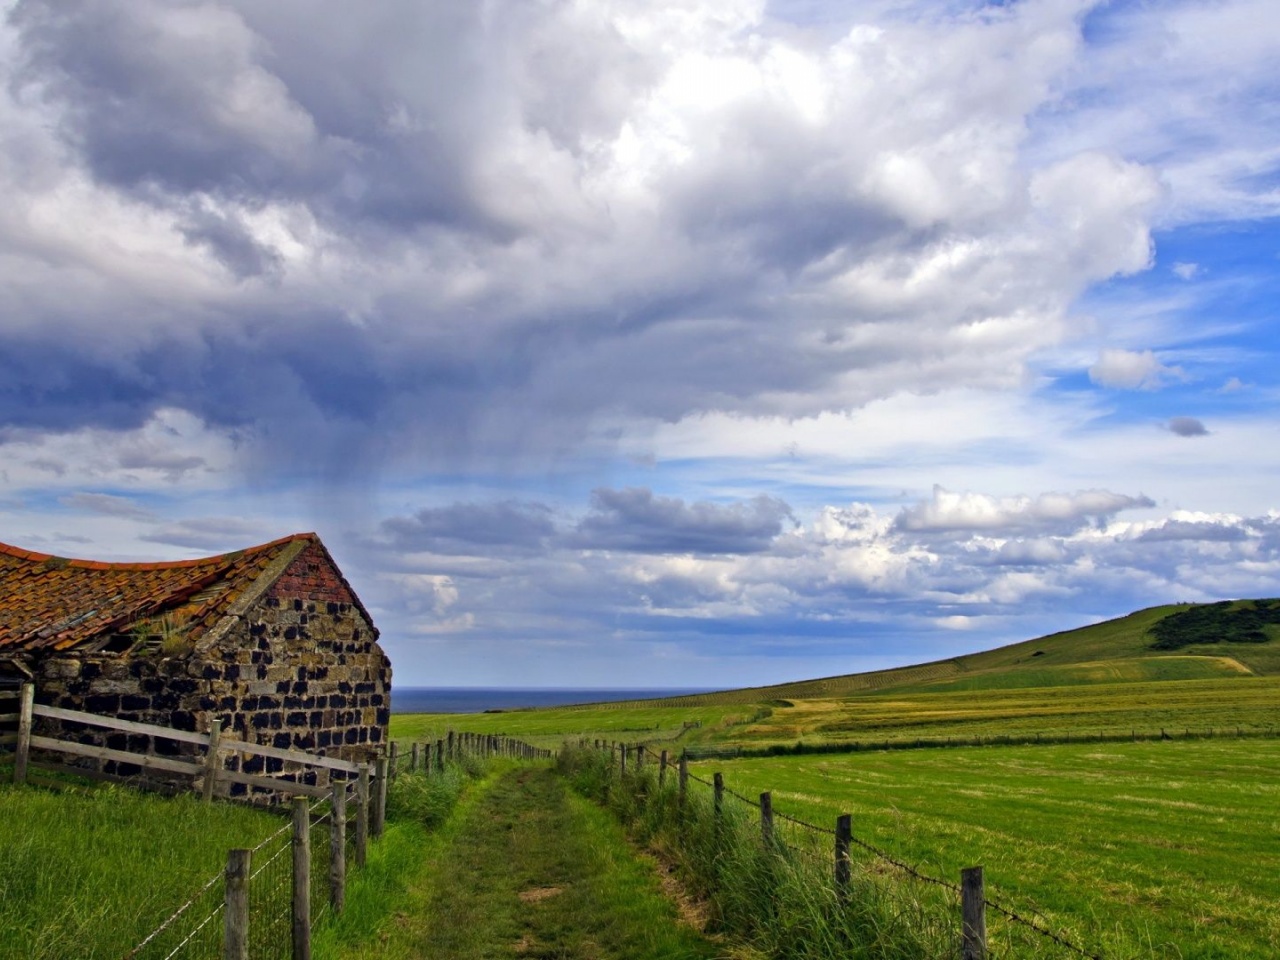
x=1115 y=651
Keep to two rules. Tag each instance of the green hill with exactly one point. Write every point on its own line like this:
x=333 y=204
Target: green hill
x=1175 y=642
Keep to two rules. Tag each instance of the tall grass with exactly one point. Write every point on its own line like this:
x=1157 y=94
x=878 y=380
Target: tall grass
x=779 y=897
x=88 y=872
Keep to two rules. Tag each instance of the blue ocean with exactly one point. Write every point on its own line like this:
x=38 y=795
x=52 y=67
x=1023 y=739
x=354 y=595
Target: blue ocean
x=479 y=699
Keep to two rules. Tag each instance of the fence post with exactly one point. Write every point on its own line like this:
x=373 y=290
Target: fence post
x=393 y=766
x=362 y=814
x=235 y=921
x=25 y=715
x=718 y=781
x=639 y=755
x=301 y=878
x=684 y=778
x=379 y=817
x=973 y=909
x=766 y=817
x=338 y=846
x=623 y=751
x=844 y=833
x=440 y=755
x=662 y=769
x=451 y=755
x=413 y=758
x=211 y=764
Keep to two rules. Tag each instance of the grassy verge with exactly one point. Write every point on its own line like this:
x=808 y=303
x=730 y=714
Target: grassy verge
x=1149 y=849
x=525 y=869
x=89 y=872
x=777 y=896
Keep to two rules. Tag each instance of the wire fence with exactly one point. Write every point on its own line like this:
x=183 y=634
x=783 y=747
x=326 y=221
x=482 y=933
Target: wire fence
x=333 y=844
x=1020 y=932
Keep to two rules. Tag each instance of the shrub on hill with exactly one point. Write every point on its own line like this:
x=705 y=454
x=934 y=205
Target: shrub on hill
x=1225 y=622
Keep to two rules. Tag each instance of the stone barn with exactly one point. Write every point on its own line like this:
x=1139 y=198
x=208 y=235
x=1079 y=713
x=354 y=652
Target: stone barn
x=270 y=640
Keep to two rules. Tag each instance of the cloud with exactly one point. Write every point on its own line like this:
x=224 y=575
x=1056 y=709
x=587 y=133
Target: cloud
x=212 y=535
x=636 y=521
x=425 y=252
x=1186 y=271
x=1187 y=427
x=1130 y=370
x=948 y=512
x=469 y=528
x=108 y=505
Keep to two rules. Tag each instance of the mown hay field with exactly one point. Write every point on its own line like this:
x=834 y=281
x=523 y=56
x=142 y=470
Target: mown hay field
x=1167 y=849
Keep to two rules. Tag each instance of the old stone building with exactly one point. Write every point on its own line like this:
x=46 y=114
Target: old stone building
x=270 y=640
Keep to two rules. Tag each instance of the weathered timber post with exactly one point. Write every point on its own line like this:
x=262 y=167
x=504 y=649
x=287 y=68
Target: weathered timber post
x=235 y=920
x=362 y=815
x=338 y=846
x=440 y=755
x=26 y=713
x=639 y=755
x=379 y=817
x=766 y=818
x=413 y=757
x=718 y=781
x=623 y=768
x=662 y=769
x=843 y=873
x=211 y=762
x=684 y=779
x=301 y=878
x=973 y=908
x=452 y=755
x=392 y=767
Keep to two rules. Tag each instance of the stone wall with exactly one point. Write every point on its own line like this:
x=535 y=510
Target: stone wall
x=298 y=668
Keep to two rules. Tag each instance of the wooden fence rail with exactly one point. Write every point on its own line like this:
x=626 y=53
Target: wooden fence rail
x=207 y=767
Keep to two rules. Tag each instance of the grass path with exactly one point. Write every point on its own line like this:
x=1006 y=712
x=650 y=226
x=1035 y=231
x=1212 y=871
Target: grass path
x=531 y=870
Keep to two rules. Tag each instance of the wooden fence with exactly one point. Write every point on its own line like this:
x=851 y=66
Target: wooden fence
x=207 y=766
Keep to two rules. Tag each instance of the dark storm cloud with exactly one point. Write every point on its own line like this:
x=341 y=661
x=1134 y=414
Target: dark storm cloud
x=634 y=520
x=448 y=231
x=1187 y=427
x=469 y=528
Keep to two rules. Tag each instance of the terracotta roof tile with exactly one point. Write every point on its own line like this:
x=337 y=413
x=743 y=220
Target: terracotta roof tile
x=51 y=603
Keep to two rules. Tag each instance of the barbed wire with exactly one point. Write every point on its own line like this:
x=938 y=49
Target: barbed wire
x=175 y=915
x=804 y=823
x=909 y=870
x=1040 y=930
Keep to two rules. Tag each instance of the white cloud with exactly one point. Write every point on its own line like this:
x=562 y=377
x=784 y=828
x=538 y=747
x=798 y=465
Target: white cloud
x=1131 y=370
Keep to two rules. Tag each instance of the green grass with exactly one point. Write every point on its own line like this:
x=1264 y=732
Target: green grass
x=527 y=869
x=89 y=872
x=1164 y=850
x=1132 y=637
x=547 y=727
x=1250 y=703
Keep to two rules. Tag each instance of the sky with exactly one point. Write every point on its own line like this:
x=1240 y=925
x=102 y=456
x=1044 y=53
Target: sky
x=674 y=344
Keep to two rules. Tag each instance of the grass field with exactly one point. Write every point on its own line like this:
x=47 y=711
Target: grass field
x=1166 y=850
x=88 y=873
x=548 y=727
x=1247 y=702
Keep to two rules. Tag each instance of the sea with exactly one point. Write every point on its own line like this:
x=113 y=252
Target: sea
x=480 y=699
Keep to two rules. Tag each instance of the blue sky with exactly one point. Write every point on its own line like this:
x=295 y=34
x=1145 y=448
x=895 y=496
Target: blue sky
x=679 y=344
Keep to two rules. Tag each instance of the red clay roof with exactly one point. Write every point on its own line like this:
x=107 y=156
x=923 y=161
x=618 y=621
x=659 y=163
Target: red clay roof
x=50 y=604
